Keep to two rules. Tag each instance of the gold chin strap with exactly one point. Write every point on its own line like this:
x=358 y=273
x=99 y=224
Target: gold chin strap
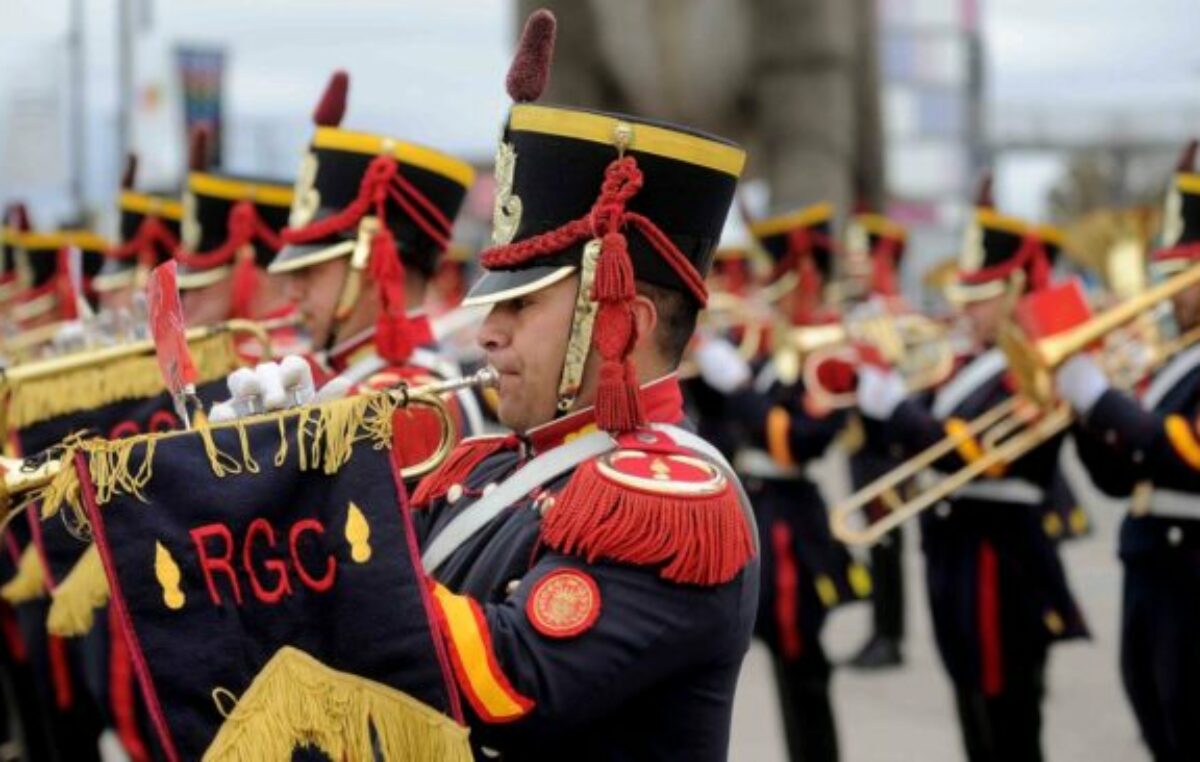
x=352 y=286
x=580 y=341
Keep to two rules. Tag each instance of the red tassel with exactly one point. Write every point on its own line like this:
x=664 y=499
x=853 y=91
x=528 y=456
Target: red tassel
x=529 y=72
x=457 y=467
x=696 y=540
x=1187 y=159
x=618 y=404
x=883 y=268
x=130 y=174
x=246 y=280
x=68 y=307
x=392 y=336
x=198 y=149
x=983 y=197
x=332 y=108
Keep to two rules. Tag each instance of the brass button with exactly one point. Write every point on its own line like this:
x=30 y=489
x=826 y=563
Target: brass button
x=512 y=586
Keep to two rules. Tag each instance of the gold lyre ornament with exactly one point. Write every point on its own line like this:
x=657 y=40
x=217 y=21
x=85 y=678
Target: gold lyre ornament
x=506 y=211
x=1172 y=224
x=190 y=226
x=307 y=199
x=973 y=257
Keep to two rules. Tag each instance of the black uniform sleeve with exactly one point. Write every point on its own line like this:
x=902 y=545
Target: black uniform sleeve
x=784 y=428
x=1121 y=444
x=525 y=682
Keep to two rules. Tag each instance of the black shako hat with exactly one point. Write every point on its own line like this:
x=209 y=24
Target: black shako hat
x=386 y=204
x=801 y=247
x=149 y=233
x=221 y=214
x=1180 y=237
x=337 y=183
x=614 y=197
x=997 y=247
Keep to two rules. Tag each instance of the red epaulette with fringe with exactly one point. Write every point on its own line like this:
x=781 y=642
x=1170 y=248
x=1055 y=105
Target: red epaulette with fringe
x=651 y=502
x=457 y=466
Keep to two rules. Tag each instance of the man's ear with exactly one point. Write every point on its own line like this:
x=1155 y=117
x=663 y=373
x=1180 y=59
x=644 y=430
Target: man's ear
x=645 y=317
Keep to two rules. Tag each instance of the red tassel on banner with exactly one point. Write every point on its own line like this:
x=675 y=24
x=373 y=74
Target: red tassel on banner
x=698 y=540
x=458 y=466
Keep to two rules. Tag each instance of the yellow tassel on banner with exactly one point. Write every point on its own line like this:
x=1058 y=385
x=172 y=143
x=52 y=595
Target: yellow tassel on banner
x=297 y=701
x=74 y=602
x=127 y=378
x=29 y=583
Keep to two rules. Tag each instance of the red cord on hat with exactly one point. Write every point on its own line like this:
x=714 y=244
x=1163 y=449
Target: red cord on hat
x=618 y=406
x=1031 y=257
x=151 y=233
x=380 y=183
x=245 y=226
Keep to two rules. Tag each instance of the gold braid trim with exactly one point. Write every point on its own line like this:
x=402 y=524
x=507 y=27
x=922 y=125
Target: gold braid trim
x=127 y=378
x=29 y=583
x=296 y=700
x=325 y=437
x=74 y=602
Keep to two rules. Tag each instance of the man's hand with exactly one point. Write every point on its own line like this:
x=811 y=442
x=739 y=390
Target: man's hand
x=721 y=366
x=880 y=391
x=1081 y=381
x=274 y=386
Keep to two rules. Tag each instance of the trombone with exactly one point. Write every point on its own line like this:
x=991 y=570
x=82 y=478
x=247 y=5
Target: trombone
x=1014 y=427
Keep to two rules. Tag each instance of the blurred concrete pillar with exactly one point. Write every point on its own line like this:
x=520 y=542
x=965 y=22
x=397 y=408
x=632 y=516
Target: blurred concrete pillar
x=797 y=81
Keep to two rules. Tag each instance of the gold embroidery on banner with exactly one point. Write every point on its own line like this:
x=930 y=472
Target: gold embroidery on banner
x=168 y=574
x=506 y=210
x=358 y=534
x=306 y=199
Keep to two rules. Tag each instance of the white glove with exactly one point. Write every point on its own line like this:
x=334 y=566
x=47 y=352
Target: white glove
x=272 y=386
x=721 y=366
x=1081 y=381
x=880 y=391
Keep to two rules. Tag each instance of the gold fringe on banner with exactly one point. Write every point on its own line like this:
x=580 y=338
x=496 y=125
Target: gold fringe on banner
x=325 y=437
x=125 y=378
x=29 y=583
x=297 y=701
x=74 y=602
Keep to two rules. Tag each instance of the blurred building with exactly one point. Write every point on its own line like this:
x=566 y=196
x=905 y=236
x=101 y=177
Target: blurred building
x=932 y=62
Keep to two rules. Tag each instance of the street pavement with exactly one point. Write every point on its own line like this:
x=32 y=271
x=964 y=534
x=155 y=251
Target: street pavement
x=908 y=714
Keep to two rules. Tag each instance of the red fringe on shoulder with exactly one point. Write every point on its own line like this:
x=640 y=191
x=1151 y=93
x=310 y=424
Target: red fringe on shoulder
x=456 y=468
x=697 y=540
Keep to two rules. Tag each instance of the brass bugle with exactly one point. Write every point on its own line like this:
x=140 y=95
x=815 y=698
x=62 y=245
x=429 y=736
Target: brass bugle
x=19 y=481
x=21 y=478
x=432 y=397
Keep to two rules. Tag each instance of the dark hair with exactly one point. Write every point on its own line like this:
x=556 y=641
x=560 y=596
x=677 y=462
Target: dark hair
x=677 y=313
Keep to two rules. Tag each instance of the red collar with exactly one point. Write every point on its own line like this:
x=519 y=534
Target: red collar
x=662 y=401
x=352 y=350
